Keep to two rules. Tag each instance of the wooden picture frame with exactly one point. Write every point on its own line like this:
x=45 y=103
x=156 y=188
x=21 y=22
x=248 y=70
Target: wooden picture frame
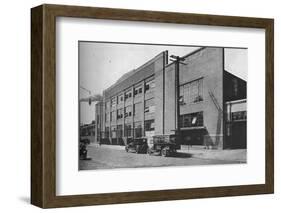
x=43 y=105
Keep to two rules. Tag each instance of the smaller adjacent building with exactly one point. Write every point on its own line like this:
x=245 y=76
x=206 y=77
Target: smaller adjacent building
x=88 y=131
x=235 y=112
x=236 y=124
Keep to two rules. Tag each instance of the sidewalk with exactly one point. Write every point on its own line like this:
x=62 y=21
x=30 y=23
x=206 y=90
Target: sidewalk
x=108 y=146
x=238 y=155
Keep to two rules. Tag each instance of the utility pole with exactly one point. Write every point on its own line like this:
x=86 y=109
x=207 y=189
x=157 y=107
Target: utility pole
x=91 y=98
x=177 y=60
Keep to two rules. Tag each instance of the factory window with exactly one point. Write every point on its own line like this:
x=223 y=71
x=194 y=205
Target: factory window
x=106 y=132
x=119 y=132
x=149 y=125
x=128 y=111
x=113 y=102
x=239 y=116
x=128 y=95
x=137 y=91
x=113 y=116
x=120 y=113
x=119 y=99
x=149 y=105
x=138 y=129
x=128 y=130
x=191 y=120
x=149 y=85
x=191 y=92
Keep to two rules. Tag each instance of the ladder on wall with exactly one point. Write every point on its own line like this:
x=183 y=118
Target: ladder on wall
x=219 y=120
x=215 y=102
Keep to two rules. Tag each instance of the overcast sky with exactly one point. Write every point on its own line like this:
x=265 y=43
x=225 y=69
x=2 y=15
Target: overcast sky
x=102 y=64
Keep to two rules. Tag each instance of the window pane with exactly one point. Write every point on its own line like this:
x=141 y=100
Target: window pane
x=128 y=130
x=138 y=129
x=192 y=120
x=192 y=92
x=149 y=85
x=149 y=125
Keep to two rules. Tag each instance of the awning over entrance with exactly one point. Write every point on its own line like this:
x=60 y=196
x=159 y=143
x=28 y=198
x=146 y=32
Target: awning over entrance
x=191 y=128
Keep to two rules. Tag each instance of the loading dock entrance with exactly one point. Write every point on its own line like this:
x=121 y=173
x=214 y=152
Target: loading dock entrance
x=236 y=125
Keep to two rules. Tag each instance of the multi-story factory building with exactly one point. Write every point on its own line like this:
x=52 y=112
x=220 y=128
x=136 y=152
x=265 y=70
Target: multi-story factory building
x=190 y=99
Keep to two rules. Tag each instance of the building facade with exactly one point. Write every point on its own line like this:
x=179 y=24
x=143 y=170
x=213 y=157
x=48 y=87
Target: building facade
x=158 y=98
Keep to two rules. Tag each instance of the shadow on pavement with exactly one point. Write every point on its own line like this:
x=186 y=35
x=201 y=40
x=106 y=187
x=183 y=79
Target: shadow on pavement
x=85 y=158
x=182 y=155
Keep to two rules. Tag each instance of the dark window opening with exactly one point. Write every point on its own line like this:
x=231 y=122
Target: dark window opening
x=128 y=95
x=239 y=116
x=137 y=91
x=119 y=132
x=128 y=131
x=128 y=111
x=119 y=113
x=138 y=130
x=149 y=85
x=149 y=125
x=106 y=132
x=192 y=120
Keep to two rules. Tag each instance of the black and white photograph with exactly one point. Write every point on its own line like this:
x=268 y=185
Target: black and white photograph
x=161 y=105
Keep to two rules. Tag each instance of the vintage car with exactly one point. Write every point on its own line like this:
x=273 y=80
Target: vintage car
x=83 y=151
x=165 y=145
x=138 y=145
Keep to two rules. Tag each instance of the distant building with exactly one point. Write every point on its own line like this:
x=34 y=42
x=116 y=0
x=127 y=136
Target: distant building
x=144 y=102
x=87 y=131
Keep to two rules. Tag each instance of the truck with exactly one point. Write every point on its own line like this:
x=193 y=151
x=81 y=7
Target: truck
x=164 y=145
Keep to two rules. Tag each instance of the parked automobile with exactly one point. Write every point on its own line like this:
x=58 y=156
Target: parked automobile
x=83 y=150
x=138 y=145
x=164 y=145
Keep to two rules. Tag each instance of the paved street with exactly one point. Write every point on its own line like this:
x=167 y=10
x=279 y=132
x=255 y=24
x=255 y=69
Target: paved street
x=108 y=157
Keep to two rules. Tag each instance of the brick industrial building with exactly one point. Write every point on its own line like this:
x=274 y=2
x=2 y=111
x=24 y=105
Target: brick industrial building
x=197 y=99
